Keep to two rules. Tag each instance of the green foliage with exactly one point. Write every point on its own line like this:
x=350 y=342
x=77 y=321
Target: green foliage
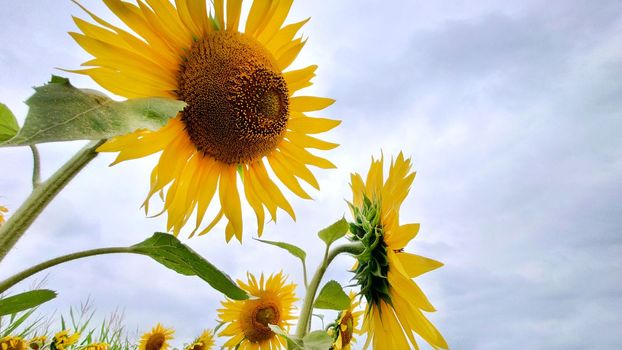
x=334 y=231
x=292 y=342
x=24 y=301
x=332 y=297
x=170 y=252
x=8 y=123
x=292 y=249
x=60 y=112
x=317 y=340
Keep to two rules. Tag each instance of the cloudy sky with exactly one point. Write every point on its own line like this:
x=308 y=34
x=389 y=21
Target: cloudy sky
x=510 y=110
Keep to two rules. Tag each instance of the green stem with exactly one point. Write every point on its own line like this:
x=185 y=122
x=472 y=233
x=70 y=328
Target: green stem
x=307 y=306
x=11 y=281
x=41 y=196
x=36 y=166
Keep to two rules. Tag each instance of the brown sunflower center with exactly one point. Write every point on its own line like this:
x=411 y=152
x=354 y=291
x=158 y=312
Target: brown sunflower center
x=155 y=342
x=263 y=315
x=347 y=328
x=237 y=99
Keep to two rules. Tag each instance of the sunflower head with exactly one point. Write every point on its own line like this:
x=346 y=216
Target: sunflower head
x=346 y=325
x=156 y=339
x=3 y=211
x=37 y=343
x=384 y=271
x=249 y=320
x=12 y=343
x=242 y=113
x=97 y=346
x=204 y=342
x=64 y=339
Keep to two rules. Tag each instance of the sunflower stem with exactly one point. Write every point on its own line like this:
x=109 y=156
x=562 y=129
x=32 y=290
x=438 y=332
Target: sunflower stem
x=307 y=306
x=11 y=281
x=36 y=166
x=41 y=196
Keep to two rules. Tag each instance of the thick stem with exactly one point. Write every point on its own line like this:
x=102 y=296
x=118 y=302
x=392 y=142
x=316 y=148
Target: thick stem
x=11 y=281
x=41 y=196
x=307 y=306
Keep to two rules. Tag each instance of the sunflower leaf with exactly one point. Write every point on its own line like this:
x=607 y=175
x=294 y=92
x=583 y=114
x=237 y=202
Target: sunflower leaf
x=61 y=112
x=170 y=252
x=8 y=123
x=334 y=231
x=25 y=301
x=292 y=343
x=317 y=340
x=292 y=249
x=332 y=297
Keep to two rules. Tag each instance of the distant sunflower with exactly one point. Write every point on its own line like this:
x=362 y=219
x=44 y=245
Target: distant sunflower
x=249 y=320
x=240 y=104
x=3 y=211
x=37 y=343
x=64 y=339
x=12 y=343
x=384 y=271
x=96 y=346
x=157 y=339
x=204 y=342
x=346 y=326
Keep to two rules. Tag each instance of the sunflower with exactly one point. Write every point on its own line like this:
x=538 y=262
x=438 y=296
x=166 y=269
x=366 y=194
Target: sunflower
x=346 y=325
x=12 y=343
x=384 y=270
x=97 y=346
x=240 y=105
x=3 y=211
x=157 y=339
x=37 y=343
x=63 y=339
x=204 y=342
x=249 y=320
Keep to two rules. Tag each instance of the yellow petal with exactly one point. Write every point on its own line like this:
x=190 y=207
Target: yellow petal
x=287 y=178
x=309 y=103
x=306 y=141
x=233 y=14
x=416 y=265
x=230 y=198
x=310 y=125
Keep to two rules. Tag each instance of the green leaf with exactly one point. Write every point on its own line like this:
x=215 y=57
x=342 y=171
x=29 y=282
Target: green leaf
x=60 y=112
x=8 y=123
x=292 y=249
x=292 y=343
x=332 y=297
x=334 y=231
x=170 y=252
x=317 y=340
x=25 y=301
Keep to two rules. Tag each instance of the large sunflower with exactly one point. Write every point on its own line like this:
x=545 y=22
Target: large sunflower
x=240 y=104
x=249 y=320
x=395 y=303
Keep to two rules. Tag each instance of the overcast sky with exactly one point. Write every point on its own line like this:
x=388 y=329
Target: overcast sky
x=512 y=113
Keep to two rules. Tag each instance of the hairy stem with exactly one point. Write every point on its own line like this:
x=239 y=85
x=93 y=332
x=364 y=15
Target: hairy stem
x=11 y=281
x=307 y=306
x=41 y=196
x=36 y=166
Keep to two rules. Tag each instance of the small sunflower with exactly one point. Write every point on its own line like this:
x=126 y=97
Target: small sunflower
x=64 y=339
x=204 y=342
x=384 y=270
x=346 y=326
x=97 y=346
x=157 y=339
x=37 y=343
x=12 y=343
x=3 y=211
x=240 y=105
x=249 y=320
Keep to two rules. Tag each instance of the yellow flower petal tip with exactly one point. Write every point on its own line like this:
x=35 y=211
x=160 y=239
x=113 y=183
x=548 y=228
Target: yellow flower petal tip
x=242 y=114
